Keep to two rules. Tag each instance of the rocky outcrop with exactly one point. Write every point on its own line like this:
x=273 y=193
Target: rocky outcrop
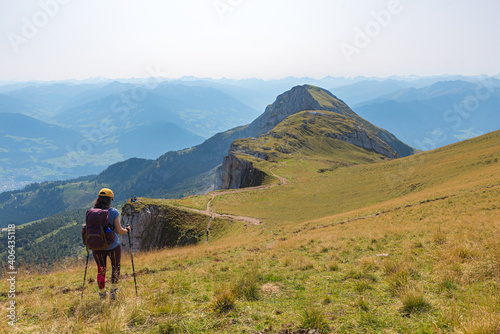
x=237 y=173
x=362 y=139
x=174 y=172
x=296 y=132
x=157 y=226
x=298 y=99
x=291 y=102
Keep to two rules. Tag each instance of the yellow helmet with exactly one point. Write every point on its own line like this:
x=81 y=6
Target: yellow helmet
x=106 y=192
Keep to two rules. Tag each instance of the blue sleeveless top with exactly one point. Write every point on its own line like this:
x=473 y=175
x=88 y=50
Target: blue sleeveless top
x=113 y=214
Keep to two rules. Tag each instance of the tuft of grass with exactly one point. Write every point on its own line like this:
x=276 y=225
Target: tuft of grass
x=439 y=237
x=448 y=283
x=360 y=275
x=413 y=302
x=368 y=264
x=362 y=303
x=137 y=316
x=224 y=300
x=392 y=267
x=464 y=252
x=398 y=282
x=247 y=286
x=314 y=318
x=168 y=327
x=333 y=266
x=362 y=286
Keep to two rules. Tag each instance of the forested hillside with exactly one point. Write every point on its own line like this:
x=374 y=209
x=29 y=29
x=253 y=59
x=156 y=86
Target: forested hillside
x=57 y=237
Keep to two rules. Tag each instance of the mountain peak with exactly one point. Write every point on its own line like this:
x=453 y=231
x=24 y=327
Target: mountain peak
x=297 y=99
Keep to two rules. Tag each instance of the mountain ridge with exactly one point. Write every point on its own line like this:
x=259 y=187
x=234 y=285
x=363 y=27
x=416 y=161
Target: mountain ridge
x=187 y=172
x=306 y=132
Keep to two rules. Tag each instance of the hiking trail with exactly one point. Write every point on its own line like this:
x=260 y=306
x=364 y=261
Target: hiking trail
x=248 y=220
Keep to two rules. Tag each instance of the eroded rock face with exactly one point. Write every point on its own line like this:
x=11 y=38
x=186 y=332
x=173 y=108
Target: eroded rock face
x=237 y=173
x=140 y=222
x=291 y=102
x=158 y=226
x=362 y=139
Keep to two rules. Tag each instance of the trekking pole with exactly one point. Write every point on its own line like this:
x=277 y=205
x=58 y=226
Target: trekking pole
x=132 y=259
x=85 y=275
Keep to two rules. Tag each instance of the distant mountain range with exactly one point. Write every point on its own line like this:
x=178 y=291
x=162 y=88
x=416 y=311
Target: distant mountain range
x=107 y=121
x=189 y=171
x=63 y=131
x=436 y=115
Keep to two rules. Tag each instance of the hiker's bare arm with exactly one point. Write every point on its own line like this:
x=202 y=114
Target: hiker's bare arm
x=118 y=227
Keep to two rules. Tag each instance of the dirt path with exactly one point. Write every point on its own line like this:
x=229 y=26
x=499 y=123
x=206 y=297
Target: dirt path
x=282 y=179
x=248 y=220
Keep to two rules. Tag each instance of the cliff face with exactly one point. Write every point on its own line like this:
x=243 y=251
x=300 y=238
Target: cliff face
x=311 y=132
x=286 y=104
x=363 y=139
x=158 y=226
x=237 y=173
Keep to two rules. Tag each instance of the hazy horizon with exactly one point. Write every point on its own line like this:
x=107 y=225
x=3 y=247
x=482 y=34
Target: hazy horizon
x=187 y=78
x=50 y=40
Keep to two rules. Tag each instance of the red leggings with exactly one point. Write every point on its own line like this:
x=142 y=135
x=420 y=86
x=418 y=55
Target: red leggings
x=100 y=257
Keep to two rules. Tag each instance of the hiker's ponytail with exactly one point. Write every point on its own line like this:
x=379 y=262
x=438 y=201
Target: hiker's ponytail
x=103 y=202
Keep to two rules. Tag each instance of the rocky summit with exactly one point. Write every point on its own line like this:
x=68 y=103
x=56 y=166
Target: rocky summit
x=290 y=123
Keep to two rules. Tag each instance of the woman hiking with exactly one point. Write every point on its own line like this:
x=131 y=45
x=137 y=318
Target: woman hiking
x=114 y=251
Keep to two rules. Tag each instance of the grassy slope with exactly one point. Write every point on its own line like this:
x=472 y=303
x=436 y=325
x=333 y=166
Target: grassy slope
x=311 y=264
x=433 y=174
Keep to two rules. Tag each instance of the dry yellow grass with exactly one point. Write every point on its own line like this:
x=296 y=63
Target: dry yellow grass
x=433 y=247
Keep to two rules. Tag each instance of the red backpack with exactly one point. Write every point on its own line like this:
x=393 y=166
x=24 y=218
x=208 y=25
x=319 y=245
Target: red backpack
x=97 y=233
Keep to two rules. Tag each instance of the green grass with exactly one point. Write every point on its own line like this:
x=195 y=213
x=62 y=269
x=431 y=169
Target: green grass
x=413 y=302
x=427 y=263
x=180 y=289
x=406 y=181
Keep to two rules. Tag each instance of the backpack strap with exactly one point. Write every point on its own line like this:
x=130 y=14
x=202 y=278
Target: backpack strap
x=111 y=224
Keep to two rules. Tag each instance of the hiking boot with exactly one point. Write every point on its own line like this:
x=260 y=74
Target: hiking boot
x=113 y=294
x=103 y=296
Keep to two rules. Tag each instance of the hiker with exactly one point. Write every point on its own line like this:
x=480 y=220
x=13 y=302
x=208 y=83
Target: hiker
x=114 y=251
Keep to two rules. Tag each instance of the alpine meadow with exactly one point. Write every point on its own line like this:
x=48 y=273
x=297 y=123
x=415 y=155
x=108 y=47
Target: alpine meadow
x=249 y=167
x=320 y=235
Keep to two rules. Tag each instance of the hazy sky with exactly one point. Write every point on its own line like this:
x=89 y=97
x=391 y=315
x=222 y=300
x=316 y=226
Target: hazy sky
x=63 y=39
